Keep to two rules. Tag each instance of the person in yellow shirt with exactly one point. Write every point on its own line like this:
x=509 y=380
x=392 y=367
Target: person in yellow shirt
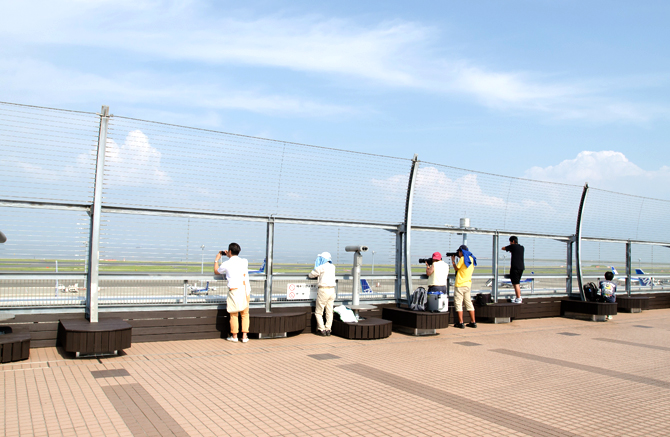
x=464 y=268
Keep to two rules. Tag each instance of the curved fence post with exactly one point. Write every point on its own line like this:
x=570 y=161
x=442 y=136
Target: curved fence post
x=408 y=226
x=398 y=264
x=568 y=266
x=94 y=242
x=578 y=241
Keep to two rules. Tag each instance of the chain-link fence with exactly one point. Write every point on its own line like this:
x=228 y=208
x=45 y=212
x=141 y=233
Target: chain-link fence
x=171 y=197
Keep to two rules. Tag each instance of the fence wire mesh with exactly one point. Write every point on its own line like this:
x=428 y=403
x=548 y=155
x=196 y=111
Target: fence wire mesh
x=192 y=175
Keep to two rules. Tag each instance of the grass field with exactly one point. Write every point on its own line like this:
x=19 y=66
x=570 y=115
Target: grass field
x=78 y=266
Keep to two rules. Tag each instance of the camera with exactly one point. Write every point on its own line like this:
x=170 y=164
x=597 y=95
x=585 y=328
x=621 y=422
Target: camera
x=448 y=254
x=426 y=260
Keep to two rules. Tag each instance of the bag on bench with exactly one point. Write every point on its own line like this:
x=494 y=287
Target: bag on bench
x=591 y=292
x=419 y=299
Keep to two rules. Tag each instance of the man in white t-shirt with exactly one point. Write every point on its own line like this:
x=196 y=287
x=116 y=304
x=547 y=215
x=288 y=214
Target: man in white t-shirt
x=325 y=271
x=236 y=271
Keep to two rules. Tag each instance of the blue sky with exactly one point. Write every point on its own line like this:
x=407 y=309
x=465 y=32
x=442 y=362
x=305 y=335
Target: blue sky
x=566 y=91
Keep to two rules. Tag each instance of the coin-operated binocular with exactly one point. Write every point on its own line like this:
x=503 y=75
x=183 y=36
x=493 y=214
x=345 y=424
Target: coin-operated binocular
x=356 y=274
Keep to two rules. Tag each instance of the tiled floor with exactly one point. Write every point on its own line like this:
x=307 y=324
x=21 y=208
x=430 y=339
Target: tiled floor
x=547 y=377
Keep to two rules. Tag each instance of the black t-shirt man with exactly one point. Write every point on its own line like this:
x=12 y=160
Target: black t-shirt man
x=517 y=265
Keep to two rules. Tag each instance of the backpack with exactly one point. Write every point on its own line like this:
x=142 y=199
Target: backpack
x=419 y=299
x=591 y=292
x=482 y=299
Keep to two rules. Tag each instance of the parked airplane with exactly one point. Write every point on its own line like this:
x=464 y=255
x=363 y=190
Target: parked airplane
x=261 y=270
x=642 y=281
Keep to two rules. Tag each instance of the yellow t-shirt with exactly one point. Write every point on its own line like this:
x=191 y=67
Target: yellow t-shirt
x=464 y=274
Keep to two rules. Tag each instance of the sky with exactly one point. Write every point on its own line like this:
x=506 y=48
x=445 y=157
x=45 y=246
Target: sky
x=556 y=90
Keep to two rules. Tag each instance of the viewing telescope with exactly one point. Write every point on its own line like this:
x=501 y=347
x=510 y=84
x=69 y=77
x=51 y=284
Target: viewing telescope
x=356 y=248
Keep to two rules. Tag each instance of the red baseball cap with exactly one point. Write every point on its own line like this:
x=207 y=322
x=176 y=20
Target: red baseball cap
x=437 y=256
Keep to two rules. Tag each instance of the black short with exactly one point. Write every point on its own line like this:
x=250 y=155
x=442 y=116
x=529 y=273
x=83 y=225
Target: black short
x=515 y=276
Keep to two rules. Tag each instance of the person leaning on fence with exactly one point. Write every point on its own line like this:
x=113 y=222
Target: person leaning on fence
x=437 y=273
x=464 y=268
x=608 y=289
x=516 y=266
x=324 y=269
x=236 y=271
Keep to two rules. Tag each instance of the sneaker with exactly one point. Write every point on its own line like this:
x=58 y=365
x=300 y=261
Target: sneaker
x=321 y=333
x=459 y=325
x=231 y=338
x=609 y=317
x=472 y=325
x=328 y=332
x=245 y=339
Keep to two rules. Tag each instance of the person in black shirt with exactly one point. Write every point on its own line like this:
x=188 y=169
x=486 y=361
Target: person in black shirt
x=517 y=266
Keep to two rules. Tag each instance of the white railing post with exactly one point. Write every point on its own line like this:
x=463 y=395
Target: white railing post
x=94 y=241
x=494 y=267
x=269 y=254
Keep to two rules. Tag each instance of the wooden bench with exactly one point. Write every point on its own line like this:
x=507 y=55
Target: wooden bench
x=107 y=336
x=502 y=312
x=277 y=324
x=594 y=311
x=632 y=304
x=13 y=346
x=366 y=329
x=415 y=322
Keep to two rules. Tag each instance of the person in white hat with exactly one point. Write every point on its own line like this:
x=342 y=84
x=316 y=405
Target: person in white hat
x=324 y=269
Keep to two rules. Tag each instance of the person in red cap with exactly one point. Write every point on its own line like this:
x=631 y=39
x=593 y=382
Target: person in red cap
x=437 y=274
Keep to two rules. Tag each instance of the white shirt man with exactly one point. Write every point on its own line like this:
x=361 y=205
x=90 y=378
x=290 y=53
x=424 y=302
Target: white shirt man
x=236 y=271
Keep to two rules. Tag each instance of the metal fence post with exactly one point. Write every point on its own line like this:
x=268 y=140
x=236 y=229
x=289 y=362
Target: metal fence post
x=94 y=241
x=269 y=253
x=578 y=241
x=408 y=226
x=398 y=265
x=629 y=268
x=568 y=267
x=494 y=267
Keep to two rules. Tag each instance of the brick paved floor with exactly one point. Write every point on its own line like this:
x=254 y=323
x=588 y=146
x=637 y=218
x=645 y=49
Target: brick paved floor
x=550 y=377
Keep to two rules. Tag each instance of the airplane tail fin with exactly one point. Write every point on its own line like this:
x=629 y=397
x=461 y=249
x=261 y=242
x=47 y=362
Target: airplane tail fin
x=365 y=286
x=640 y=272
x=614 y=272
x=262 y=269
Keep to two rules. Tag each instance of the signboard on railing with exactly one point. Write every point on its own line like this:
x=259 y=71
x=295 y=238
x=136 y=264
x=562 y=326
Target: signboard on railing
x=301 y=291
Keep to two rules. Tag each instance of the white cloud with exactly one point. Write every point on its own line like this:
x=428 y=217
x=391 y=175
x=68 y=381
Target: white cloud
x=435 y=187
x=134 y=163
x=31 y=81
x=608 y=170
x=397 y=54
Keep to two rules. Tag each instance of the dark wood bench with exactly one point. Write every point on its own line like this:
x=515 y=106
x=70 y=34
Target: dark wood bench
x=415 y=322
x=13 y=346
x=107 y=336
x=277 y=324
x=367 y=329
x=595 y=311
x=502 y=312
x=632 y=304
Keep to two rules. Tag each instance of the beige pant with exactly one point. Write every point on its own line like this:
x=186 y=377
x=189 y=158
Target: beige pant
x=462 y=294
x=324 y=300
x=234 y=323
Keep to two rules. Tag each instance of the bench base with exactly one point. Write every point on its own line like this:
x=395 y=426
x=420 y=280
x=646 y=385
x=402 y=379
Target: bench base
x=262 y=336
x=572 y=308
x=415 y=322
x=633 y=304
x=275 y=325
x=588 y=317
x=502 y=312
x=86 y=339
x=366 y=329
x=14 y=347
x=414 y=331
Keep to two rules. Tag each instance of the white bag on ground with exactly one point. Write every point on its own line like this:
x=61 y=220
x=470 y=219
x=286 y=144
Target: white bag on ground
x=346 y=315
